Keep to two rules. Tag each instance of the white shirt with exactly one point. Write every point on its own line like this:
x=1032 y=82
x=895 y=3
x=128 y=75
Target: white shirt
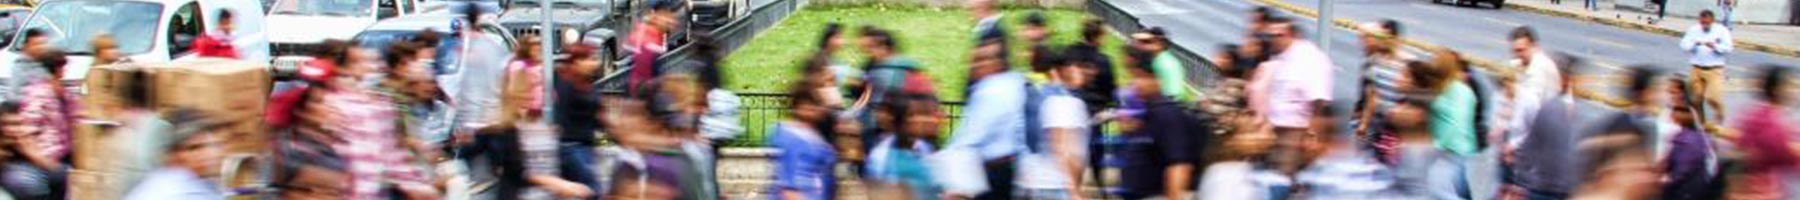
x=1297 y=77
x=174 y=183
x=1541 y=79
x=1701 y=54
x=1042 y=170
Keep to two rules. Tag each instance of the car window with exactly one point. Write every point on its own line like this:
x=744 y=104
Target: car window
x=184 y=27
x=70 y=24
x=338 y=8
x=498 y=32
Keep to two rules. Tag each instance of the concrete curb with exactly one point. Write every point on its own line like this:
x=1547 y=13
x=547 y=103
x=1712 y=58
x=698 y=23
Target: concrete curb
x=1627 y=24
x=1497 y=68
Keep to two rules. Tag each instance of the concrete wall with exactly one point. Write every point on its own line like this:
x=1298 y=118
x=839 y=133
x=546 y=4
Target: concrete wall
x=1751 y=11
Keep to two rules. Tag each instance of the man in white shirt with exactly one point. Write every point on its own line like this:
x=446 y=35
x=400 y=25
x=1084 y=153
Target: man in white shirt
x=192 y=153
x=1053 y=171
x=1539 y=79
x=1708 y=44
x=1292 y=80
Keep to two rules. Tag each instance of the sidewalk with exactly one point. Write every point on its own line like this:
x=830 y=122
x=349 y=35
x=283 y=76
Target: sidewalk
x=1781 y=40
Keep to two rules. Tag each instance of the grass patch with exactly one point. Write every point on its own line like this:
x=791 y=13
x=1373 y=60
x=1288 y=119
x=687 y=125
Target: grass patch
x=939 y=38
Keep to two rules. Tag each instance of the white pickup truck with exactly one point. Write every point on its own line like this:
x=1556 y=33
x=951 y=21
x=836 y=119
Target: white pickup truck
x=146 y=30
x=301 y=25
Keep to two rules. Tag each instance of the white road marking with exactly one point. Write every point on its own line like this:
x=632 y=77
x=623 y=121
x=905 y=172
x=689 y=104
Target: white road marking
x=1507 y=23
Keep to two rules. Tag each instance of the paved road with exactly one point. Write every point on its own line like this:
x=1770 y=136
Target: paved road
x=1478 y=32
x=1203 y=25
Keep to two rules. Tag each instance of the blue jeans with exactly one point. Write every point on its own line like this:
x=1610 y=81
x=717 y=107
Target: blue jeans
x=577 y=165
x=1041 y=194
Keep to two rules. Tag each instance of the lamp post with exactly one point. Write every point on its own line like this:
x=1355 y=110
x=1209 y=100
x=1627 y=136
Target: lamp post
x=1322 y=38
x=549 y=57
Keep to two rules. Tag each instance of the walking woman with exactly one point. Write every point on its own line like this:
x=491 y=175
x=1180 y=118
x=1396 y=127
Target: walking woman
x=1765 y=139
x=803 y=166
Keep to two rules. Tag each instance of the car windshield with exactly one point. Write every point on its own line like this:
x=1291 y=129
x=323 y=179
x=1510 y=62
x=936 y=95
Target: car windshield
x=71 y=23
x=324 y=7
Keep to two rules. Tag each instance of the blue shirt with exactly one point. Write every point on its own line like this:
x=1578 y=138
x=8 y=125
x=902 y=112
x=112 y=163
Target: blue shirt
x=993 y=123
x=804 y=162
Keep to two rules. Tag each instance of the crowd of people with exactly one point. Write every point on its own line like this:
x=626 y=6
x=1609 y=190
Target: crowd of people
x=368 y=122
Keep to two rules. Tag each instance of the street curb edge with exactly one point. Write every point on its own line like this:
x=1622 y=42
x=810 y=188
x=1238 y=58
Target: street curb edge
x=1771 y=49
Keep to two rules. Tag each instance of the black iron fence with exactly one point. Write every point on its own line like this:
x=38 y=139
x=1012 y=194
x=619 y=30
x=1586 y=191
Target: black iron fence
x=1201 y=73
x=760 y=112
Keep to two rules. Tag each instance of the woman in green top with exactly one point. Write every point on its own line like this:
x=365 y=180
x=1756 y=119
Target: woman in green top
x=1453 y=112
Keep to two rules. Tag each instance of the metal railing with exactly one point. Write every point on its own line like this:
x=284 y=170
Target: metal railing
x=729 y=37
x=760 y=111
x=1201 y=72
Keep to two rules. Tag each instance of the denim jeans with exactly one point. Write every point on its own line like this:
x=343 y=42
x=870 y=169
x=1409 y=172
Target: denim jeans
x=1042 y=194
x=578 y=165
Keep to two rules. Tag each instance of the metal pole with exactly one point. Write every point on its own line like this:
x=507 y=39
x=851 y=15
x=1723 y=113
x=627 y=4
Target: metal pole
x=1323 y=37
x=549 y=54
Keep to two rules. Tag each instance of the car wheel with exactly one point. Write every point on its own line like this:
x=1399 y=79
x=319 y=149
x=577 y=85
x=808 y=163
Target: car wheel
x=1499 y=4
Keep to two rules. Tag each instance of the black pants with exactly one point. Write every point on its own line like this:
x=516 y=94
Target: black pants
x=999 y=178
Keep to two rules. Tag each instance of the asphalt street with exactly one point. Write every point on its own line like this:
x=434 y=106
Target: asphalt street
x=1475 y=31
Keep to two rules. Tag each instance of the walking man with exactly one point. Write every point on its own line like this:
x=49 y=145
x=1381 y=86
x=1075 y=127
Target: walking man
x=1707 y=45
x=993 y=131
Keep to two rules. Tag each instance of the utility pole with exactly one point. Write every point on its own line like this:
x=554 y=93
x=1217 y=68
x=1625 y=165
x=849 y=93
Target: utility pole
x=545 y=33
x=1323 y=37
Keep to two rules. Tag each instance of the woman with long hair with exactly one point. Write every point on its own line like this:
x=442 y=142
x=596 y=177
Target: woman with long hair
x=1765 y=138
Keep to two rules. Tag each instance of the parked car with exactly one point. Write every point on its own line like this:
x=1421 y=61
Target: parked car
x=307 y=23
x=712 y=14
x=600 y=22
x=11 y=17
x=1496 y=3
x=146 y=30
x=393 y=30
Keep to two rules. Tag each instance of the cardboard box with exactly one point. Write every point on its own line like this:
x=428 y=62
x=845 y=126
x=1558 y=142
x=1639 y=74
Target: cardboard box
x=231 y=90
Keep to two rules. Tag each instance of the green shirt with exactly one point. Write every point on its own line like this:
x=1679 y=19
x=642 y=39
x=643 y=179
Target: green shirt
x=1172 y=75
x=1453 y=119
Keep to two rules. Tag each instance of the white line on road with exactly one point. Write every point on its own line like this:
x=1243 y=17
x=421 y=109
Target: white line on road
x=1611 y=43
x=1507 y=23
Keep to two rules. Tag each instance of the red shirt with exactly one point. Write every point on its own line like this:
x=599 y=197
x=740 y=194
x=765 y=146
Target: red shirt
x=215 y=45
x=647 y=44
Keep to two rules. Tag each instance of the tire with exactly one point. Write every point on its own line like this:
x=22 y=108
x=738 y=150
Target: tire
x=1499 y=4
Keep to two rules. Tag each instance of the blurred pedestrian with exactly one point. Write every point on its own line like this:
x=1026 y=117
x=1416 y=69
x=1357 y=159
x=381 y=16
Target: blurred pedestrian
x=525 y=80
x=131 y=126
x=367 y=123
x=993 y=133
x=577 y=105
x=1692 y=158
x=1765 y=139
x=28 y=172
x=1725 y=7
x=1098 y=92
x=661 y=150
x=1167 y=68
x=1054 y=171
x=988 y=23
x=889 y=72
x=1338 y=167
x=1708 y=44
x=804 y=167
x=1286 y=86
x=1384 y=72
x=106 y=50
x=311 y=177
x=1036 y=29
x=1162 y=157
x=1453 y=110
x=218 y=42
x=1543 y=165
x=194 y=150
x=899 y=160
x=46 y=103
x=26 y=68
x=1536 y=81
x=647 y=42
x=1619 y=165
x=831 y=43
x=1422 y=170
x=436 y=50
x=483 y=59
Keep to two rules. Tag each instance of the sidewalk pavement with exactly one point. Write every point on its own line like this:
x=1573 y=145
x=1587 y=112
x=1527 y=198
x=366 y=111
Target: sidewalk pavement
x=1781 y=40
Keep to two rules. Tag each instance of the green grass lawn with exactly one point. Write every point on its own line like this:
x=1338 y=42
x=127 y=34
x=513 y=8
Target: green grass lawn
x=939 y=38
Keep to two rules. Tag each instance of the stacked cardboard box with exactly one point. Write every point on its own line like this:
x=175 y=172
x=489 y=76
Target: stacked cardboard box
x=235 y=91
